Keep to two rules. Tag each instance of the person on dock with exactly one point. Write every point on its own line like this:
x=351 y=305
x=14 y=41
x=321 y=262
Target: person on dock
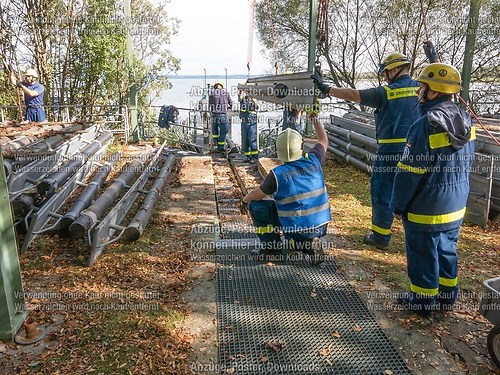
x=33 y=95
x=248 y=117
x=300 y=207
x=293 y=118
x=431 y=188
x=396 y=109
x=219 y=102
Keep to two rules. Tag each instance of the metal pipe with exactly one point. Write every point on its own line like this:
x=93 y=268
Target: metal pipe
x=50 y=184
x=351 y=159
x=368 y=155
x=363 y=139
x=232 y=148
x=89 y=217
x=85 y=198
x=22 y=206
x=141 y=219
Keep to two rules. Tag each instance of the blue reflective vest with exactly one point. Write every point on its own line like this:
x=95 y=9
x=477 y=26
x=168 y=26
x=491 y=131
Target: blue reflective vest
x=301 y=197
x=431 y=186
x=396 y=114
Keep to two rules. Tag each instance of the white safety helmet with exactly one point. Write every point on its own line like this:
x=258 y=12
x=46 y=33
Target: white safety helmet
x=31 y=72
x=289 y=145
x=218 y=83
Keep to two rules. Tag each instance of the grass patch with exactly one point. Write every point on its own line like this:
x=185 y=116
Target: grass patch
x=349 y=191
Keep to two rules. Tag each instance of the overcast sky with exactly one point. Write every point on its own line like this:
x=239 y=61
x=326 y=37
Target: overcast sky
x=213 y=34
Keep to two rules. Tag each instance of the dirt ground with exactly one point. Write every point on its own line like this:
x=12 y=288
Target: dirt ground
x=163 y=288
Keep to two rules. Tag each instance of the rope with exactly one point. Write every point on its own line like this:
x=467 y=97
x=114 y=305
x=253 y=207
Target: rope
x=272 y=34
x=423 y=15
x=9 y=68
x=250 y=36
x=322 y=24
x=477 y=119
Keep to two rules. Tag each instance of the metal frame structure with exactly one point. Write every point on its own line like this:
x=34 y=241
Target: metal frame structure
x=49 y=210
x=103 y=234
x=12 y=306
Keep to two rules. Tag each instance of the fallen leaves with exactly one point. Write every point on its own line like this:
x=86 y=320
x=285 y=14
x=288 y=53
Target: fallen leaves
x=274 y=345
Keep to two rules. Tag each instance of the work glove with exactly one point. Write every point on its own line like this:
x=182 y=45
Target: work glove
x=318 y=81
x=243 y=206
x=313 y=111
x=430 y=52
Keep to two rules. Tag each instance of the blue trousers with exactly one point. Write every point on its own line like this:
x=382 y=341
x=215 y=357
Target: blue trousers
x=35 y=114
x=382 y=181
x=249 y=139
x=267 y=225
x=219 y=129
x=432 y=266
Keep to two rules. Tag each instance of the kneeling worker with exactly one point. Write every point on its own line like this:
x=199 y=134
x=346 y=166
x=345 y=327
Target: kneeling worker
x=300 y=207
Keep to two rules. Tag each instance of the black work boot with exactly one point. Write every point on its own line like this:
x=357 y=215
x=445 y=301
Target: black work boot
x=370 y=239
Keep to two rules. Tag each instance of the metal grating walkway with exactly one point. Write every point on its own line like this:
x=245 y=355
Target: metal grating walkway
x=313 y=313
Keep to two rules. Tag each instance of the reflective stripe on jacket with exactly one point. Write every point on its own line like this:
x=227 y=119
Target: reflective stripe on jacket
x=301 y=197
x=432 y=182
x=396 y=114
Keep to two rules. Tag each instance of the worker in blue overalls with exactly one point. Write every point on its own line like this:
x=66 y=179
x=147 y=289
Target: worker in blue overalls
x=300 y=208
x=431 y=189
x=33 y=95
x=219 y=102
x=396 y=109
x=248 y=117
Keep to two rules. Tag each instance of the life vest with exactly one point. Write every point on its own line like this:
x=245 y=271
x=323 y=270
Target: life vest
x=301 y=197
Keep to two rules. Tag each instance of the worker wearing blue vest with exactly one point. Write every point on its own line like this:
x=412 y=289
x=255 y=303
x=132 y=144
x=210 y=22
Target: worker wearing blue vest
x=300 y=208
x=248 y=117
x=431 y=189
x=396 y=109
x=33 y=95
x=219 y=102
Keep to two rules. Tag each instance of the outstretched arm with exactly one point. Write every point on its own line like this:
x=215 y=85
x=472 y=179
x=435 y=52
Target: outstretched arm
x=320 y=132
x=338 y=92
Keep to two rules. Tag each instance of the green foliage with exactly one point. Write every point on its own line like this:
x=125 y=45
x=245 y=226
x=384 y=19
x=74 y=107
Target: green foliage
x=80 y=48
x=361 y=33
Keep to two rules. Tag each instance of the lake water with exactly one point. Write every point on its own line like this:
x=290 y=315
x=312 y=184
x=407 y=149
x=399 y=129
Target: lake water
x=186 y=94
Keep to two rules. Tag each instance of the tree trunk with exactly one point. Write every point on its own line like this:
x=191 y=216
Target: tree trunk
x=470 y=43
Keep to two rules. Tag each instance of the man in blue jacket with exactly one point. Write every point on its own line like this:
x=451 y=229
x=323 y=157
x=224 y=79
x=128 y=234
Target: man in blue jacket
x=219 y=102
x=431 y=189
x=33 y=95
x=248 y=117
x=396 y=110
x=300 y=207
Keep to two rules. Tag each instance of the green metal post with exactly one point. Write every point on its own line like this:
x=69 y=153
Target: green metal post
x=313 y=42
x=313 y=37
x=133 y=87
x=12 y=308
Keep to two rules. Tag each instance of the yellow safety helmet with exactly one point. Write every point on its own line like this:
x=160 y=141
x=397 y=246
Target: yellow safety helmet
x=31 y=72
x=441 y=77
x=289 y=145
x=392 y=61
x=218 y=83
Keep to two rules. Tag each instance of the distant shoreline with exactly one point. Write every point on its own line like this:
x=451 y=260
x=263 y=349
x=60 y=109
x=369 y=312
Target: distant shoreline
x=211 y=77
